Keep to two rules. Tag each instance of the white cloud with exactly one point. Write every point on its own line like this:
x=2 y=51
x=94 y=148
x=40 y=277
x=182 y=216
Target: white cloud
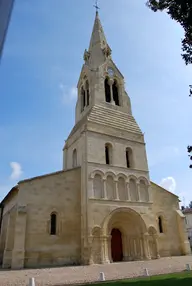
x=68 y=94
x=16 y=171
x=169 y=184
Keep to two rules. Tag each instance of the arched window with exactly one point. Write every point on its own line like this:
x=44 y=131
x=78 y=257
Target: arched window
x=98 y=187
x=160 y=223
x=115 y=93
x=129 y=158
x=108 y=154
x=82 y=99
x=107 y=91
x=143 y=188
x=133 y=190
x=53 y=228
x=122 y=189
x=110 y=188
x=74 y=158
x=87 y=91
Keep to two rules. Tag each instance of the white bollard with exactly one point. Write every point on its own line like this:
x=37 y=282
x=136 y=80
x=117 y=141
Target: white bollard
x=188 y=267
x=31 y=281
x=146 y=272
x=101 y=276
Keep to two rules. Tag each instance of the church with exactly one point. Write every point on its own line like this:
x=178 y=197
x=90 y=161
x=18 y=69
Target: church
x=101 y=207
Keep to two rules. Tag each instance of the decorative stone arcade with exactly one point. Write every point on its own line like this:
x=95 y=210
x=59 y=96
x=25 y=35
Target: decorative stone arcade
x=123 y=236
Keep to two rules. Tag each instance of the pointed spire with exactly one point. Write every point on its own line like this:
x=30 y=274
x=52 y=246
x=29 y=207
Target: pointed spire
x=98 y=47
x=98 y=35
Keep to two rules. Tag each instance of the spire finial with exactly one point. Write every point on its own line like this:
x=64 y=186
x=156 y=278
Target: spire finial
x=96 y=6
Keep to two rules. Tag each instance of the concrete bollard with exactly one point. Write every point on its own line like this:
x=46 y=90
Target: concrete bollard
x=188 y=267
x=146 y=272
x=101 y=276
x=31 y=281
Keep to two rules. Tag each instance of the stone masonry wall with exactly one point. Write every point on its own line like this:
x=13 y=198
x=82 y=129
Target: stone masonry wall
x=58 y=193
x=166 y=205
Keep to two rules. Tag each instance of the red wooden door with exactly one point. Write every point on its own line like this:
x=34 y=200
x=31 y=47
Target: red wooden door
x=116 y=245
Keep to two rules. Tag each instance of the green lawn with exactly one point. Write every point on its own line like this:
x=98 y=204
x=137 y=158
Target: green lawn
x=179 y=279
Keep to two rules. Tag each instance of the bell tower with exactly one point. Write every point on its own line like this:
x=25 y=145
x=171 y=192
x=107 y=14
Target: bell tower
x=106 y=141
x=103 y=106
x=100 y=81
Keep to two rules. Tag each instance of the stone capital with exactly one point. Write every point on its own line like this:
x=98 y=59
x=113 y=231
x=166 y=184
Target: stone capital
x=111 y=81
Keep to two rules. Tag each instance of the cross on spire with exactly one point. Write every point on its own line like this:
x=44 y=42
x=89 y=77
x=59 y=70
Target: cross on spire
x=96 y=6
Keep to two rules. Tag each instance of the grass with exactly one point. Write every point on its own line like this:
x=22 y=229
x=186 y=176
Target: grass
x=179 y=279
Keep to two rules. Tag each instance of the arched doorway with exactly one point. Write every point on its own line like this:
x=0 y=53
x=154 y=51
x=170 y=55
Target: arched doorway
x=125 y=229
x=116 y=245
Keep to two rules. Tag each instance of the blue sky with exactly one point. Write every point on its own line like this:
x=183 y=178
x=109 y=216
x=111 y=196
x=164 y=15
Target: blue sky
x=41 y=63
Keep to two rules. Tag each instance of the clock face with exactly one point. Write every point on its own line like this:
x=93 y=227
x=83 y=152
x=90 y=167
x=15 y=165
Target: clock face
x=110 y=71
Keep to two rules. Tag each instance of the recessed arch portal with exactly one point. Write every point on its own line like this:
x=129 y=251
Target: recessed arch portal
x=120 y=216
x=126 y=229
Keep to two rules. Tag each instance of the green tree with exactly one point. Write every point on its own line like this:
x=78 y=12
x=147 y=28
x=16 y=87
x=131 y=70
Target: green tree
x=180 y=11
x=190 y=205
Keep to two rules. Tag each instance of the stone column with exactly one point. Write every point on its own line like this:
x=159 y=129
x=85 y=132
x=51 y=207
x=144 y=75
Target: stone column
x=104 y=189
x=138 y=254
x=109 y=249
x=90 y=242
x=138 y=192
x=135 y=248
x=125 y=248
x=116 y=190
x=111 y=81
x=128 y=193
x=104 y=250
x=18 y=254
x=129 y=248
x=146 y=247
x=156 y=246
x=141 y=248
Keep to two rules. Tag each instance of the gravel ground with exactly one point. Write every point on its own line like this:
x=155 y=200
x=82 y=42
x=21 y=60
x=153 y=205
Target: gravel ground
x=82 y=274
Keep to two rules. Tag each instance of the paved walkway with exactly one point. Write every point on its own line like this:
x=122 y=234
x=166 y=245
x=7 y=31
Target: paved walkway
x=72 y=275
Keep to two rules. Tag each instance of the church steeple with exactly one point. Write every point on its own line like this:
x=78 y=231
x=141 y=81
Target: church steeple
x=100 y=81
x=99 y=49
x=103 y=107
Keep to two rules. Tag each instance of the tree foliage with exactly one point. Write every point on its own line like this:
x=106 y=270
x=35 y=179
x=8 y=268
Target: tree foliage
x=190 y=205
x=181 y=12
x=189 y=149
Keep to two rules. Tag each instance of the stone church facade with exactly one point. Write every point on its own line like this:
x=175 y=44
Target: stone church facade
x=102 y=207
